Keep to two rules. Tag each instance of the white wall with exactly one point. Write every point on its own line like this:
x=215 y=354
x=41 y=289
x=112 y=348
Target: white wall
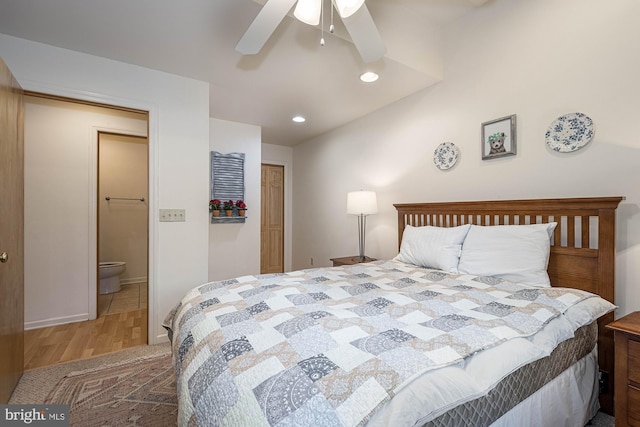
x=234 y=249
x=178 y=143
x=537 y=59
x=283 y=156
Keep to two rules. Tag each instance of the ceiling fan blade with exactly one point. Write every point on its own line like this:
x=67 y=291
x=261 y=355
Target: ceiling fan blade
x=347 y=8
x=270 y=16
x=365 y=35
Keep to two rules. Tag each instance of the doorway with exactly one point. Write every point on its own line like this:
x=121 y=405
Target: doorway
x=61 y=228
x=272 y=219
x=123 y=217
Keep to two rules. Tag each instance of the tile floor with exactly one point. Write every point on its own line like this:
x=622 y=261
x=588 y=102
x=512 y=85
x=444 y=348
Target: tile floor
x=131 y=297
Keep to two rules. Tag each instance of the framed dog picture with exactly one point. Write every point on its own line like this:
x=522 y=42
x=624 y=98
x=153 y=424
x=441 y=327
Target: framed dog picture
x=499 y=138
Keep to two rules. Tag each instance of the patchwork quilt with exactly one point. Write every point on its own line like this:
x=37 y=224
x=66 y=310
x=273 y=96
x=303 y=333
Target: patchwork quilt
x=330 y=346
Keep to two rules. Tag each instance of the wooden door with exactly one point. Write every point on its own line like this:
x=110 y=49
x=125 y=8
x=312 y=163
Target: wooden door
x=11 y=233
x=272 y=220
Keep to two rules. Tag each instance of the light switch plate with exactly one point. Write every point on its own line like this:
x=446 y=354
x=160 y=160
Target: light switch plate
x=172 y=215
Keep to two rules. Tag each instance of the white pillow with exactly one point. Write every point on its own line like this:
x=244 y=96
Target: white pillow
x=519 y=253
x=432 y=247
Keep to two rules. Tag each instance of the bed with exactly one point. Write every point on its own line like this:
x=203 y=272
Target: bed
x=400 y=343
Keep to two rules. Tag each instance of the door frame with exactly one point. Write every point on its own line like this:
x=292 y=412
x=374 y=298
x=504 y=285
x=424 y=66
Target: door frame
x=154 y=161
x=93 y=213
x=288 y=227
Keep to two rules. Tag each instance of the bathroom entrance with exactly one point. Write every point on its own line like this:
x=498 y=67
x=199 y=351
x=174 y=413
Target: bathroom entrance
x=61 y=231
x=123 y=217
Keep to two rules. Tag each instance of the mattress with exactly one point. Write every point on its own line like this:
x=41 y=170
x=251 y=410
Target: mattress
x=365 y=344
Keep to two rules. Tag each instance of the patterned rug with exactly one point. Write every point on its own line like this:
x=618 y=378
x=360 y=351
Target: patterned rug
x=135 y=393
x=131 y=388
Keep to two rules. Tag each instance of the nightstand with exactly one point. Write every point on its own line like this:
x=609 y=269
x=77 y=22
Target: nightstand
x=627 y=372
x=350 y=260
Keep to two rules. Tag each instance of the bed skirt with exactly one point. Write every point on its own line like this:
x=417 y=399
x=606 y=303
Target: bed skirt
x=541 y=390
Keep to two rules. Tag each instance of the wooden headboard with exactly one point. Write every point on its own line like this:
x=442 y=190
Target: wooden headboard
x=582 y=251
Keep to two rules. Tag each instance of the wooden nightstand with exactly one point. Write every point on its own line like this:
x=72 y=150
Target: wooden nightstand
x=350 y=260
x=627 y=370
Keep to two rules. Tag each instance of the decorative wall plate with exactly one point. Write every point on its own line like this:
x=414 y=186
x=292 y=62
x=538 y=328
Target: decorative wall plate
x=569 y=133
x=445 y=155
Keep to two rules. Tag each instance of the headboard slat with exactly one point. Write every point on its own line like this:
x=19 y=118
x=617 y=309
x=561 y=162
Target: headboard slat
x=571 y=232
x=586 y=232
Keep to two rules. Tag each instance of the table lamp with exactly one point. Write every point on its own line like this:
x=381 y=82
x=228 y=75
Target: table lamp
x=362 y=203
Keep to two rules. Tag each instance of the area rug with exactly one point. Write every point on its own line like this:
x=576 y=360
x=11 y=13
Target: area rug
x=134 y=389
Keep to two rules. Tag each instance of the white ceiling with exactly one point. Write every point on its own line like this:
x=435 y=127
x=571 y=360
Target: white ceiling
x=291 y=75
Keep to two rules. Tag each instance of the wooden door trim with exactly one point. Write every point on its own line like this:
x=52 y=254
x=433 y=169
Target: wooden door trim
x=83 y=102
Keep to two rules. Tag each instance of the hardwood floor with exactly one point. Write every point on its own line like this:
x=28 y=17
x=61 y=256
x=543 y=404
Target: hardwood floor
x=73 y=341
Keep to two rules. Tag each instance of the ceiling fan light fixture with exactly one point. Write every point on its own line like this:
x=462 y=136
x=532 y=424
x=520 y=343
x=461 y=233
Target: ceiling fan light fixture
x=346 y=8
x=308 y=11
x=369 y=77
x=356 y=18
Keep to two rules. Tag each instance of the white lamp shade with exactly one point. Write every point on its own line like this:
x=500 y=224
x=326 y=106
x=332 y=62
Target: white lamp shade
x=362 y=203
x=308 y=11
x=346 y=8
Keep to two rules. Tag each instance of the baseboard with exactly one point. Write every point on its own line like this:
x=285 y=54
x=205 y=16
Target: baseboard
x=36 y=324
x=132 y=280
x=162 y=338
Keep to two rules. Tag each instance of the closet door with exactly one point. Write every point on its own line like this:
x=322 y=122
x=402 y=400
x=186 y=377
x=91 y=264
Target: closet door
x=272 y=219
x=11 y=233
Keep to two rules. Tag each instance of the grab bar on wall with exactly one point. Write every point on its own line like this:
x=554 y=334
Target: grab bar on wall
x=123 y=198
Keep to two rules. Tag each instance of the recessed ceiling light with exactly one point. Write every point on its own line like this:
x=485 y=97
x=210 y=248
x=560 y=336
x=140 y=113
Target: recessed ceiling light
x=299 y=119
x=369 y=77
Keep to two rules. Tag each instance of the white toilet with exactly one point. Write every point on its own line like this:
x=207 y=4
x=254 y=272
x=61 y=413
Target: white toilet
x=110 y=276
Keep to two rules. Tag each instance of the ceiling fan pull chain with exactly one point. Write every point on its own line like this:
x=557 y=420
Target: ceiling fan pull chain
x=321 y=23
x=331 y=27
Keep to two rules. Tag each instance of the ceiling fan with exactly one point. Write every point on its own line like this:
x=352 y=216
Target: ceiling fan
x=354 y=13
